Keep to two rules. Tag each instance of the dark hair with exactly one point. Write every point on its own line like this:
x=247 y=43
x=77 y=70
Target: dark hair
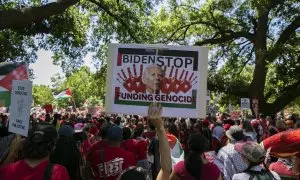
x=197 y=144
x=118 y=120
x=247 y=126
x=126 y=133
x=3 y=131
x=151 y=126
x=173 y=130
x=67 y=154
x=104 y=129
x=40 y=141
x=138 y=131
x=135 y=173
x=47 y=118
x=262 y=116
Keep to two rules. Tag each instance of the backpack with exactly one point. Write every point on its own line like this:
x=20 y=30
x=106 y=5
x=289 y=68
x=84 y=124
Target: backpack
x=260 y=175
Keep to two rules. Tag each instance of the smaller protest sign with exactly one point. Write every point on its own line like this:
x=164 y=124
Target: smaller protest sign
x=235 y=115
x=245 y=103
x=21 y=98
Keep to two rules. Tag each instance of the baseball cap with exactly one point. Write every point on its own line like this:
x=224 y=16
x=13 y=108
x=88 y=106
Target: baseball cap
x=205 y=122
x=227 y=127
x=235 y=133
x=114 y=133
x=66 y=130
x=78 y=127
x=252 y=151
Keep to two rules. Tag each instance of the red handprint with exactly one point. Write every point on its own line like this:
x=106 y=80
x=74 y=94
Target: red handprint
x=175 y=84
x=186 y=85
x=166 y=82
x=132 y=83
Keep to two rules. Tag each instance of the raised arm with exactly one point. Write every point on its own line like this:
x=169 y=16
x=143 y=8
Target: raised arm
x=154 y=116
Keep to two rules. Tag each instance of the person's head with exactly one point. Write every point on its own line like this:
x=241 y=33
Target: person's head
x=126 y=133
x=235 y=133
x=152 y=78
x=193 y=160
x=40 y=141
x=138 y=131
x=173 y=130
x=66 y=131
x=205 y=123
x=118 y=120
x=262 y=117
x=135 y=173
x=151 y=126
x=270 y=121
x=47 y=118
x=280 y=124
x=114 y=135
x=247 y=126
x=253 y=153
x=197 y=127
x=67 y=154
x=103 y=130
x=272 y=131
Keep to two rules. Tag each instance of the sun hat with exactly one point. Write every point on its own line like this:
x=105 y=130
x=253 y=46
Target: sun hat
x=252 y=151
x=235 y=133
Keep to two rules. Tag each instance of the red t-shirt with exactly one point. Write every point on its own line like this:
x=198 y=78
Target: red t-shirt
x=142 y=146
x=149 y=134
x=21 y=170
x=116 y=160
x=281 y=169
x=101 y=144
x=85 y=147
x=130 y=145
x=209 y=171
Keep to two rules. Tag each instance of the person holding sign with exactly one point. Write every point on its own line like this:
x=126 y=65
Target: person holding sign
x=37 y=148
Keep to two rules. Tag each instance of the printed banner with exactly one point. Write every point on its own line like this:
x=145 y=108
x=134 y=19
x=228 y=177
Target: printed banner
x=21 y=99
x=174 y=76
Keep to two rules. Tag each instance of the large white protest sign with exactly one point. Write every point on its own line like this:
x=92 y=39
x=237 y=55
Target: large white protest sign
x=21 y=99
x=245 y=103
x=174 y=76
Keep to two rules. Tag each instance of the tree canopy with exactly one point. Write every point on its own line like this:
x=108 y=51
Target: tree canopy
x=254 y=45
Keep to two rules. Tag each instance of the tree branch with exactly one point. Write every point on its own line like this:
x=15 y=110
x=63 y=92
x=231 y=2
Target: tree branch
x=283 y=38
x=226 y=38
x=285 y=98
x=106 y=9
x=19 y=18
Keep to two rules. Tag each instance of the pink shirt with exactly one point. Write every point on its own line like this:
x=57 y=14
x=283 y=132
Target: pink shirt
x=209 y=171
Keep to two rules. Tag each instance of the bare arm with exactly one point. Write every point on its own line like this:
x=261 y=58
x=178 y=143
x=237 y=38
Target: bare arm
x=154 y=115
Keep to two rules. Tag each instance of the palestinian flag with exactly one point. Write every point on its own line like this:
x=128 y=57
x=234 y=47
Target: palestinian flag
x=8 y=73
x=64 y=94
x=177 y=153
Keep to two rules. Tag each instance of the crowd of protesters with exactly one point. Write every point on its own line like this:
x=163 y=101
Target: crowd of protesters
x=77 y=145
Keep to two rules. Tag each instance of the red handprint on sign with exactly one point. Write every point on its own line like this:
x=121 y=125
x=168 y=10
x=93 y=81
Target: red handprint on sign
x=132 y=83
x=175 y=84
x=186 y=85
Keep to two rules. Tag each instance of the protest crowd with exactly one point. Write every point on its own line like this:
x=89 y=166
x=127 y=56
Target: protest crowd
x=77 y=145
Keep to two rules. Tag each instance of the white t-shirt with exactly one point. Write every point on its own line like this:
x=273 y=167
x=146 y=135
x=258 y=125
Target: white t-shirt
x=245 y=176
